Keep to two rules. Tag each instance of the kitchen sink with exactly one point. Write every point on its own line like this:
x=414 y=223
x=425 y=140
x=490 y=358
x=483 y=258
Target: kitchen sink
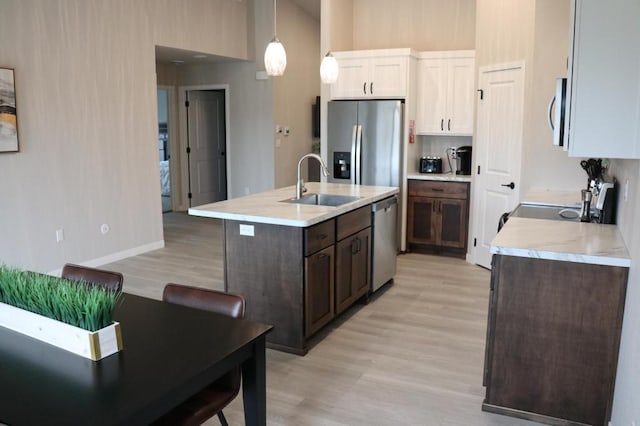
x=332 y=200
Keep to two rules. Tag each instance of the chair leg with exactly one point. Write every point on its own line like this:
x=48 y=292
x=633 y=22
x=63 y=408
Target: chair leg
x=223 y=420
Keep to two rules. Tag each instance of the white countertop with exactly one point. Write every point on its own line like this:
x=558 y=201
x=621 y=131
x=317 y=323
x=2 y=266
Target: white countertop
x=451 y=177
x=559 y=240
x=266 y=207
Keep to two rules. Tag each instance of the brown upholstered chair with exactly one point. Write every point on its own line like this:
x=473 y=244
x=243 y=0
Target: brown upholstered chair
x=108 y=279
x=215 y=397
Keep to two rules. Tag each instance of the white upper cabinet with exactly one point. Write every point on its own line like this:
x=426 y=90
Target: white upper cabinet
x=603 y=84
x=375 y=74
x=445 y=93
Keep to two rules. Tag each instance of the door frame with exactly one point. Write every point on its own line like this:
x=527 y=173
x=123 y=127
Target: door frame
x=174 y=149
x=476 y=190
x=184 y=158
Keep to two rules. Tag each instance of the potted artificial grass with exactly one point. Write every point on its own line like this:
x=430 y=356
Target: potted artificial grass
x=73 y=316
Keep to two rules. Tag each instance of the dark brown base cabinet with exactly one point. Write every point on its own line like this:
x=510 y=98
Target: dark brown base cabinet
x=437 y=218
x=299 y=279
x=552 y=339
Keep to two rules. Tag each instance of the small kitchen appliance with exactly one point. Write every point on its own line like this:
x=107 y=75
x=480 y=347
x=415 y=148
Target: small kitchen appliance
x=431 y=165
x=462 y=155
x=605 y=208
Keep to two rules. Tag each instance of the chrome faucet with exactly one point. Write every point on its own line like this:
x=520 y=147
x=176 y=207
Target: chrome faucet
x=300 y=189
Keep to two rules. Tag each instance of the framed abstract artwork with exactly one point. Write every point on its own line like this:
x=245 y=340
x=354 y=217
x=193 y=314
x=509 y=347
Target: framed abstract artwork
x=8 y=112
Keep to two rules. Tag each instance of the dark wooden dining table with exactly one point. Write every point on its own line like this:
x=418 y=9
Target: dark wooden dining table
x=170 y=353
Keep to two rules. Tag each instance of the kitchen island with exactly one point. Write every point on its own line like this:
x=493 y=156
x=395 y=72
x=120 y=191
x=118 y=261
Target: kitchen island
x=555 y=317
x=297 y=265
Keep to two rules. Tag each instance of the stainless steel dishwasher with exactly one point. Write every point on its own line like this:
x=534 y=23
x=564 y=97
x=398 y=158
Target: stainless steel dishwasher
x=384 y=215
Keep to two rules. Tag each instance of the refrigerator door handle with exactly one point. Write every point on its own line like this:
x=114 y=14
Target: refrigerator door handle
x=358 y=154
x=354 y=158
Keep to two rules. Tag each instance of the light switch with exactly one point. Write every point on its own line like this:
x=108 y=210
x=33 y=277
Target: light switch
x=247 y=230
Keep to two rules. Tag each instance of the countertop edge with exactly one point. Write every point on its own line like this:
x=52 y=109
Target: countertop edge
x=563 y=257
x=443 y=177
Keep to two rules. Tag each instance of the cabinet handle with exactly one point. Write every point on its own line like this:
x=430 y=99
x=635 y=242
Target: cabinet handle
x=322 y=236
x=354 y=246
x=371 y=88
x=437 y=189
x=433 y=206
x=364 y=87
x=442 y=124
x=322 y=255
x=449 y=124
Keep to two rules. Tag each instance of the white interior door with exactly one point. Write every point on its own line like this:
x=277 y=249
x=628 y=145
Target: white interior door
x=499 y=150
x=206 y=147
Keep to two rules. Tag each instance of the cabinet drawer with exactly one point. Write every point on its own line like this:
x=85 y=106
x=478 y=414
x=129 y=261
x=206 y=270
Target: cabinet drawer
x=438 y=189
x=352 y=222
x=319 y=236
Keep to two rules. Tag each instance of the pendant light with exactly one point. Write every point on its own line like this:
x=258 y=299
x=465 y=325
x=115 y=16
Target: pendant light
x=275 y=58
x=329 y=69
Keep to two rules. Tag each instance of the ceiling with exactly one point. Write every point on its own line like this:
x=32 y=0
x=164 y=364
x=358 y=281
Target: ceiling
x=168 y=55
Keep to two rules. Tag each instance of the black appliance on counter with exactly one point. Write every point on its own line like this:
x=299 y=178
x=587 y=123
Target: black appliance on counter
x=463 y=157
x=431 y=165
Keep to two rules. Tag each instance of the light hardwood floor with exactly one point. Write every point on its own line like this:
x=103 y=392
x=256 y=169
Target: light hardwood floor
x=413 y=356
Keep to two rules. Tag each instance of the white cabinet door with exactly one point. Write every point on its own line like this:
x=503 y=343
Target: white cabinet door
x=460 y=96
x=432 y=96
x=353 y=78
x=388 y=78
x=604 y=80
x=445 y=95
x=376 y=77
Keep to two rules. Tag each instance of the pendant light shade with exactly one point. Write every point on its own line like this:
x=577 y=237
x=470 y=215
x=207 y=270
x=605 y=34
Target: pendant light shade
x=329 y=69
x=275 y=58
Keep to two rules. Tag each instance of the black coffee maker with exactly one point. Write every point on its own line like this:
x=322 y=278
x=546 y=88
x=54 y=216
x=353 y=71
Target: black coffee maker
x=463 y=160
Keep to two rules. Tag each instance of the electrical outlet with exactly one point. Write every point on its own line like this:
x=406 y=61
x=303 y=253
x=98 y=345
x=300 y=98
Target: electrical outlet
x=278 y=128
x=286 y=131
x=104 y=228
x=59 y=235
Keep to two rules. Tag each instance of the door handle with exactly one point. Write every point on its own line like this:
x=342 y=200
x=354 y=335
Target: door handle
x=509 y=185
x=550 y=117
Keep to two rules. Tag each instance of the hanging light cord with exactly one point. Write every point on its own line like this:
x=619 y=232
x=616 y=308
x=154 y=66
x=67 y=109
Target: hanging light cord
x=274 y=19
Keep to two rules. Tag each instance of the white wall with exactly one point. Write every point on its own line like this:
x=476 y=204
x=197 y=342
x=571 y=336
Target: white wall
x=419 y=24
x=295 y=92
x=86 y=95
x=626 y=406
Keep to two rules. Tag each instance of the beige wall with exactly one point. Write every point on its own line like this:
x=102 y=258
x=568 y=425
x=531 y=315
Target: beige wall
x=295 y=92
x=86 y=95
x=625 y=405
x=536 y=32
x=419 y=24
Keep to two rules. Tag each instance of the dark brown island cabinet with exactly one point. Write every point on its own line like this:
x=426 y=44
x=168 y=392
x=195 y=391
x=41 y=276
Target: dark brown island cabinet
x=552 y=339
x=437 y=216
x=298 y=279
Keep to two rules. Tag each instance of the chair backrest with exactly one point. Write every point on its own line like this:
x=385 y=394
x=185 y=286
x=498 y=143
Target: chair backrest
x=228 y=304
x=107 y=279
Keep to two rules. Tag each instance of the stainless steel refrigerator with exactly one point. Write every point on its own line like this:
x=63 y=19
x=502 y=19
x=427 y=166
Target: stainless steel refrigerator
x=363 y=140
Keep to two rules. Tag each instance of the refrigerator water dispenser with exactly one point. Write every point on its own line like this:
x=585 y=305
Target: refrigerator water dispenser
x=342 y=165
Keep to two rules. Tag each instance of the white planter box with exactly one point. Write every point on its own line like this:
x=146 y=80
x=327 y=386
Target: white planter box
x=93 y=345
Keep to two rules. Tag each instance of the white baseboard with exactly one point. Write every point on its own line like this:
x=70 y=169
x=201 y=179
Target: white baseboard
x=114 y=257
